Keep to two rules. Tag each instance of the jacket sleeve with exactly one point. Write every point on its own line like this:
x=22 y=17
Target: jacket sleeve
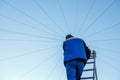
x=88 y=51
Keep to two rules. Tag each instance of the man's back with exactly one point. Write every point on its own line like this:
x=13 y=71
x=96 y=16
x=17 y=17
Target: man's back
x=74 y=49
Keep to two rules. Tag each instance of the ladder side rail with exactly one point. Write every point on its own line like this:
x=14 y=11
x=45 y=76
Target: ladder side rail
x=95 y=71
x=95 y=68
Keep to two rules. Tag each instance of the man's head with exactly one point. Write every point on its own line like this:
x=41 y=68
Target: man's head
x=69 y=36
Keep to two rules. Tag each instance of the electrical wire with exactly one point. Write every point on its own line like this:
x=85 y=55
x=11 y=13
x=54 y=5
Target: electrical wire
x=36 y=66
x=102 y=30
x=108 y=63
x=104 y=40
x=89 y=11
x=76 y=16
x=103 y=12
x=27 y=25
x=44 y=11
x=31 y=17
x=23 y=40
x=53 y=69
x=109 y=50
x=64 y=17
x=27 y=34
x=28 y=53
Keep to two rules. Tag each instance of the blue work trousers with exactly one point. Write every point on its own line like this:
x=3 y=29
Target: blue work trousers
x=74 y=69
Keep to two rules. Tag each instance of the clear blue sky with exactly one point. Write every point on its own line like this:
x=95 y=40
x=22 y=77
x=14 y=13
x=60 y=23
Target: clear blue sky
x=32 y=33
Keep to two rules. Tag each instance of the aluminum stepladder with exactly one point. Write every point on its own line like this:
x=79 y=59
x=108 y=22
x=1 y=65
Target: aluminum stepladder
x=91 y=69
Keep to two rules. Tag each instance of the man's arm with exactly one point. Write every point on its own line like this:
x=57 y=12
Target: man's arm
x=88 y=51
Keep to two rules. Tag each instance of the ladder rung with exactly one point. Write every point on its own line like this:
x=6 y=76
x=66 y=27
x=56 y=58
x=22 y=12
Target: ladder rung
x=88 y=69
x=87 y=77
x=91 y=58
x=90 y=62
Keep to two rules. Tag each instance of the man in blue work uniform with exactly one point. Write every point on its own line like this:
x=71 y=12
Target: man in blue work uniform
x=76 y=54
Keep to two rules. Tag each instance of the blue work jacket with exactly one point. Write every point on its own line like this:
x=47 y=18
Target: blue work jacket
x=74 y=49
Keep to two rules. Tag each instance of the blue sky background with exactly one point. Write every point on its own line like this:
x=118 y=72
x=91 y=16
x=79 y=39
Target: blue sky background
x=32 y=33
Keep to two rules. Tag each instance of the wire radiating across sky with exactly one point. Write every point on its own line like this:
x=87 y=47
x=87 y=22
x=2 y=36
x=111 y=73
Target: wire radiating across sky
x=32 y=33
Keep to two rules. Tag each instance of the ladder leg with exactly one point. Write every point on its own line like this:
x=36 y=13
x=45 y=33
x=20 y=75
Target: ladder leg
x=94 y=73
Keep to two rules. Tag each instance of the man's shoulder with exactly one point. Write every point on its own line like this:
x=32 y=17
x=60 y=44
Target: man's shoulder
x=72 y=39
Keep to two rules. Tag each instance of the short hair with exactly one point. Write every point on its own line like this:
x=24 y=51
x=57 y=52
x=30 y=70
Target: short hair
x=69 y=36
